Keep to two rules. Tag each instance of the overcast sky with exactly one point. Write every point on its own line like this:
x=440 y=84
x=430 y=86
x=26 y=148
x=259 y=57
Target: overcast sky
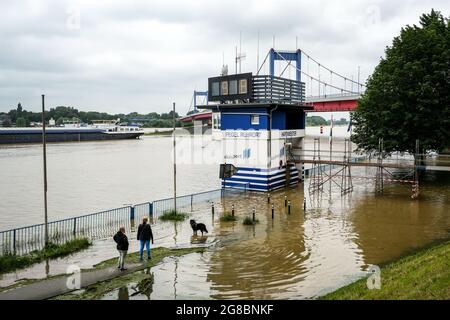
x=124 y=56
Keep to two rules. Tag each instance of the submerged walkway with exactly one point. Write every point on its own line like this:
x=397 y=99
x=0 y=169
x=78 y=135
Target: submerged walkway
x=52 y=287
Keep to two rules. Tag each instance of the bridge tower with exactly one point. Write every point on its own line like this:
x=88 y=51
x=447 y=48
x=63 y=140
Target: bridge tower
x=199 y=94
x=287 y=56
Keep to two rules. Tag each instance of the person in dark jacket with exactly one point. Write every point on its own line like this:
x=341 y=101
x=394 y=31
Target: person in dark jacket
x=144 y=235
x=122 y=246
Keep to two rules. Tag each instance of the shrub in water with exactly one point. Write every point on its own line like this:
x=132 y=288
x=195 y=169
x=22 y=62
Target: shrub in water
x=249 y=221
x=173 y=215
x=227 y=217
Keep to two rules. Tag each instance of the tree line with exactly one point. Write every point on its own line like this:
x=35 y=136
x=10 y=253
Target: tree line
x=20 y=117
x=315 y=121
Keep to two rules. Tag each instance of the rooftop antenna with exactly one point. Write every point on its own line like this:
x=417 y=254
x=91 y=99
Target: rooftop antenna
x=241 y=56
x=224 y=67
x=257 y=54
x=236 y=60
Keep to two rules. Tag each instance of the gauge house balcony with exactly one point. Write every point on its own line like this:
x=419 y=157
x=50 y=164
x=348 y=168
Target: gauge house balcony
x=261 y=123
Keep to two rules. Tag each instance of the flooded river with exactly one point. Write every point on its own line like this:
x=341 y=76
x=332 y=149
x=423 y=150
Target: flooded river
x=303 y=254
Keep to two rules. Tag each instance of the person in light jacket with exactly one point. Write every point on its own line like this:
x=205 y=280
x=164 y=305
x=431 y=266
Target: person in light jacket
x=144 y=235
x=122 y=246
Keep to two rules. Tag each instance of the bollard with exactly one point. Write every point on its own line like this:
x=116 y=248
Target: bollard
x=285 y=201
x=289 y=207
x=212 y=208
x=268 y=197
x=273 y=211
x=232 y=210
x=304 y=204
x=254 y=218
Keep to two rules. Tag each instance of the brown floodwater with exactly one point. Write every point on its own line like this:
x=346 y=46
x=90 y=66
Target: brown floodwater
x=300 y=255
x=306 y=253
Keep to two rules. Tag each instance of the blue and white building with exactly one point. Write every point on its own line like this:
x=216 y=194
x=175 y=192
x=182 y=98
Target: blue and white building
x=261 y=123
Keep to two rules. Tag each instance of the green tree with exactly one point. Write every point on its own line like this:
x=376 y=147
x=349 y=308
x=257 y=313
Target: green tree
x=408 y=95
x=21 y=122
x=314 y=121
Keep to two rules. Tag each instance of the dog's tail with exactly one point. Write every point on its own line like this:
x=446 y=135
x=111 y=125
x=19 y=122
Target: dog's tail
x=206 y=230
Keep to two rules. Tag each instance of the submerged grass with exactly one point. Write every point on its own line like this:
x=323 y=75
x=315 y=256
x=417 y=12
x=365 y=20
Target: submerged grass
x=11 y=262
x=173 y=215
x=141 y=280
x=249 y=221
x=227 y=217
x=424 y=275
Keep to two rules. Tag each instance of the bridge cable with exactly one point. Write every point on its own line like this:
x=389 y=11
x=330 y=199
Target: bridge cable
x=328 y=69
x=315 y=79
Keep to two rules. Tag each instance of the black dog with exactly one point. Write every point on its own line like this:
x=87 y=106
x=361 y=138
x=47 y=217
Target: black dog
x=198 y=226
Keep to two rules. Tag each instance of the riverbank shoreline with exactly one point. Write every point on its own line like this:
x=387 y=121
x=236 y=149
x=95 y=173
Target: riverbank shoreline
x=421 y=275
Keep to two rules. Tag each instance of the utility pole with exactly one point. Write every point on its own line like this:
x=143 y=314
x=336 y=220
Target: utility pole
x=174 y=163
x=44 y=138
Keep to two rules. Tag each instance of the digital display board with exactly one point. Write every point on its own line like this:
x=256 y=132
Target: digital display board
x=229 y=88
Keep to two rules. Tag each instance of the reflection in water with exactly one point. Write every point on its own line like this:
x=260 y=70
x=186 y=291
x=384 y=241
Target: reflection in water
x=145 y=287
x=307 y=253
x=198 y=239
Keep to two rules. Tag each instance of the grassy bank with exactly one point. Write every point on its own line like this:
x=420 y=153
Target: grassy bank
x=12 y=262
x=142 y=280
x=424 y=275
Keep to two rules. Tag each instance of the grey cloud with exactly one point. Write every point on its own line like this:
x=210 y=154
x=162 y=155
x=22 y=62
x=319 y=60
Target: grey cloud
x=142 y=55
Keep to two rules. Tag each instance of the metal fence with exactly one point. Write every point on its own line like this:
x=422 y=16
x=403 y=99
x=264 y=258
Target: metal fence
x=98 y=225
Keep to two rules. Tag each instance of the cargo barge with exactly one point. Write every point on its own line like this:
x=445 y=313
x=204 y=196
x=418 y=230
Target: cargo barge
x=69 y=134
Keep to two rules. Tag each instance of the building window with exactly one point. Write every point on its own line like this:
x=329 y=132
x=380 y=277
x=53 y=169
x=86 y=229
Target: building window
x=243 y=86
x=215 y=89
x=233 y=87
x=224 y=90
x=255 y=120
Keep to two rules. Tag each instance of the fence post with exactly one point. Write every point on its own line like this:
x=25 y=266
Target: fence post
x=74 y=227
x=131 y=212
x=150 y=209
x=14 y=241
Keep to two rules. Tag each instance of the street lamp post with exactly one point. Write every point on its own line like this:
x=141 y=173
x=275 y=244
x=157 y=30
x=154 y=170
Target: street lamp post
x=174 y=162
x=44 y=138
